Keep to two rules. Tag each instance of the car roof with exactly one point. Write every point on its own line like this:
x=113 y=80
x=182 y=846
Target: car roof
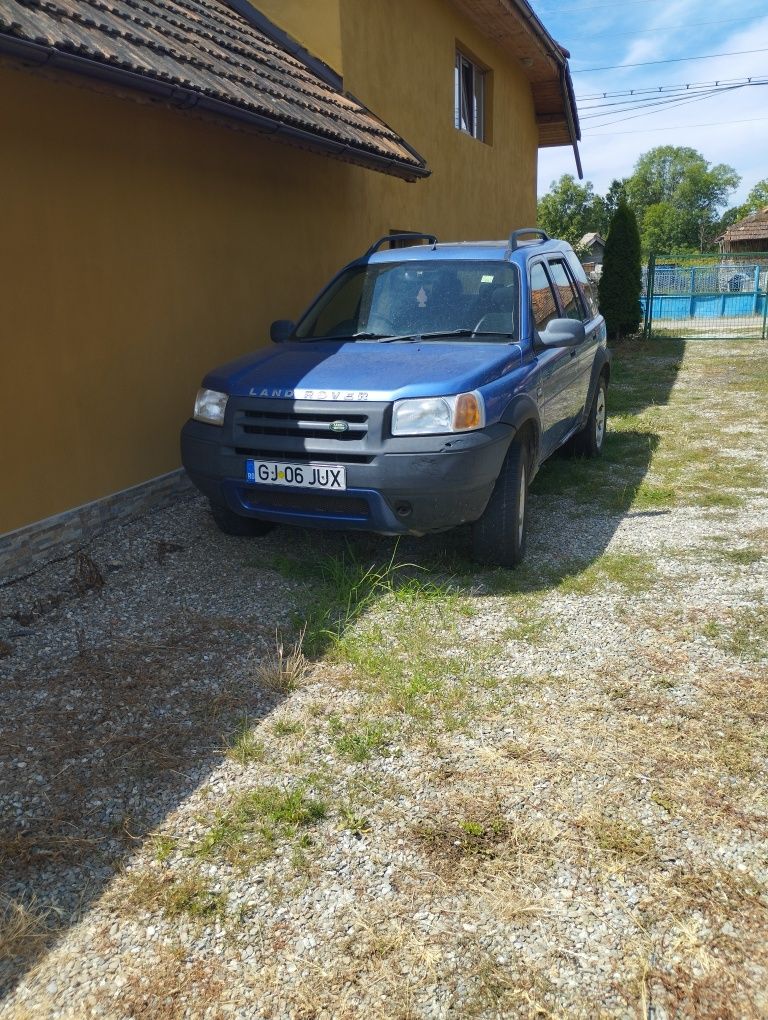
x=485 y=251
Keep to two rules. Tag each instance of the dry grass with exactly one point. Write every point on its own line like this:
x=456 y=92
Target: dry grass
x=23 y=927
x=284 y=668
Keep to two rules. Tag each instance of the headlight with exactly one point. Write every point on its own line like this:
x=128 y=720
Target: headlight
x=433 y=415
x=210 y=406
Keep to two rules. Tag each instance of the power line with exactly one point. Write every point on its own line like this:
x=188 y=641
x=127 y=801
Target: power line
x=677 y=127
x=683 y=86
x=665 y=28
x=672 y=60
x=628 y=3
x=599 y=110
x=650 y=113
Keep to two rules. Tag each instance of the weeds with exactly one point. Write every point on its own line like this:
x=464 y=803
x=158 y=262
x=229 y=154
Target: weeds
x=258 y=820
x=358 y=743
x=244 y=747
x=187 y=896
x=285 y=668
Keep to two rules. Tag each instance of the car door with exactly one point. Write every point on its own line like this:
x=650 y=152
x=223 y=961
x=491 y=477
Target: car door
x=554 y=364
x=583 y=354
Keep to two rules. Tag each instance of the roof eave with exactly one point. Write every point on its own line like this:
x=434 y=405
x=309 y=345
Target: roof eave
x=542 y=60
x=181 y=98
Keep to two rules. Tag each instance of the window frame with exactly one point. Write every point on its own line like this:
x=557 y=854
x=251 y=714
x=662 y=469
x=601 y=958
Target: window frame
x=581 y=303
x=552 y=289
x=475 y=106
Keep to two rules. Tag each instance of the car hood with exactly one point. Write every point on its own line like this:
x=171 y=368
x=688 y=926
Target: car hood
x=359 y=370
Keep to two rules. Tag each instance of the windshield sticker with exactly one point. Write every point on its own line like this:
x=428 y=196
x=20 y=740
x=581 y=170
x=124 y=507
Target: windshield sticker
x=421 y=298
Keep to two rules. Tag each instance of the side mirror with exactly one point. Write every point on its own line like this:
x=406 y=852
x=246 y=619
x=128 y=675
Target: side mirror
x=281 y=330
x=563 y=333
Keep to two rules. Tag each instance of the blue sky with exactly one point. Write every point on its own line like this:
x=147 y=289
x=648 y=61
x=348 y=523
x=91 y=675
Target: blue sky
x=731 y=127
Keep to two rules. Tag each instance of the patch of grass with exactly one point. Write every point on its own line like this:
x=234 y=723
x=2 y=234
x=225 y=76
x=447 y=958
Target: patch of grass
x=663 y=801
x=653 y=497
x=164 y=846
x=715 y=498
x=359 y=743
x=188 y=896
x=354 y=822
x=529 y=627
x=258 y=820
x=620 y=839
x=287 y=727
x=244 y=747
x=743 y=557
x=745 y=635
x=458 y=838
x=632 y=571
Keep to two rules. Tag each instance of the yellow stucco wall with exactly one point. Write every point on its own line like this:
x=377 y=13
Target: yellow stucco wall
x=314 y=23
x=141 y=246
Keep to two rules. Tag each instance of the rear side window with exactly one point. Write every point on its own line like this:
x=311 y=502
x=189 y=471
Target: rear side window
x=570 y=301
x=543 y=303
x=586 y=286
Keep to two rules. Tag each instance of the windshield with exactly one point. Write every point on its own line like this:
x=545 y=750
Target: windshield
x=403 y=300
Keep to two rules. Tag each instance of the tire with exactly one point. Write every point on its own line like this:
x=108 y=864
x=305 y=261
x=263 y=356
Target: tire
x=499 y=536
x=233 y=524
x=590 y=440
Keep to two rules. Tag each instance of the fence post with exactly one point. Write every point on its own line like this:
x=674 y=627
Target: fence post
x=650 y=278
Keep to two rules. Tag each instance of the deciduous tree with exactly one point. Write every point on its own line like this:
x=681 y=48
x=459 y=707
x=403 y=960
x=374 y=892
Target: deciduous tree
x=680 y=179
x=569 y=210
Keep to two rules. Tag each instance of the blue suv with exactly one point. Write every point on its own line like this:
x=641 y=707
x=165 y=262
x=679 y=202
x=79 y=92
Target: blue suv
x=421 y=390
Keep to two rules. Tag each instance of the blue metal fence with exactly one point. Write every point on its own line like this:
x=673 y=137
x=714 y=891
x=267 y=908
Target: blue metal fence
x=718 y=296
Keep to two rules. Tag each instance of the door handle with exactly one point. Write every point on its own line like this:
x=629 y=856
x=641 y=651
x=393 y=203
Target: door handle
x=573 y=352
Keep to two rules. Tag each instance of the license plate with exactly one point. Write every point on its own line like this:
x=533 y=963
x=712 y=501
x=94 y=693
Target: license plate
x=301 y=476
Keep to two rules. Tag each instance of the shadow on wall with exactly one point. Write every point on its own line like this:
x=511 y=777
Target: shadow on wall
x=99 y=751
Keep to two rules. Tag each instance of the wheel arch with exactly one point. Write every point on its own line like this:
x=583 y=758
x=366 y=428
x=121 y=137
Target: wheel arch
x=522 y=414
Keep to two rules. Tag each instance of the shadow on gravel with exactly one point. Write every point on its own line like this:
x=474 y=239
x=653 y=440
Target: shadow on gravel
x=105 y=749
x=122 y=734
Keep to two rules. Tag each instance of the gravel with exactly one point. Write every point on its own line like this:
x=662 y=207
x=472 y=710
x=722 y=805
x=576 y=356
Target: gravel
x=583 y=834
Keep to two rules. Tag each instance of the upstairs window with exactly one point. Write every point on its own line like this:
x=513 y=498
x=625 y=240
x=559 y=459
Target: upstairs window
x=469 y=97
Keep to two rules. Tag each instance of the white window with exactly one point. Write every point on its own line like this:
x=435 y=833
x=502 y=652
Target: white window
x=469 y=97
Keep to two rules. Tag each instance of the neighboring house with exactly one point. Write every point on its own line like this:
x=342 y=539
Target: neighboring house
x=749 y=234
x=178 y=173
x=591 y=250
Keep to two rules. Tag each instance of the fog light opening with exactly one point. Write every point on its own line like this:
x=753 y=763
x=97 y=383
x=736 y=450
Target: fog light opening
x=403 y=509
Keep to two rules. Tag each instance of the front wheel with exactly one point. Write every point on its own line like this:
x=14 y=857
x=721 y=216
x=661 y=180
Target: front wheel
x=499 y=536
x=589 y=441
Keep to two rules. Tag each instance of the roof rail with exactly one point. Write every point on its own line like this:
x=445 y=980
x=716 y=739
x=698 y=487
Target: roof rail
x=516 y=234
x=410 y=236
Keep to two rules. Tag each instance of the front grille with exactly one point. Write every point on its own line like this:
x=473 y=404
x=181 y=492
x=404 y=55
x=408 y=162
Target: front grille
x=306 y=425
x=307 y=502
x=299 y=430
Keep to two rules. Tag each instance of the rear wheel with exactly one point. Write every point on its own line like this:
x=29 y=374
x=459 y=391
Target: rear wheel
x=499 y=536
x=233 y=524
x=589 y=442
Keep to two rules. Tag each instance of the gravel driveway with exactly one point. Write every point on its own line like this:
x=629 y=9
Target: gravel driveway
x=307 y=776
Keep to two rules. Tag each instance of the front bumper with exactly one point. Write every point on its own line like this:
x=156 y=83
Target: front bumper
x=410 y=485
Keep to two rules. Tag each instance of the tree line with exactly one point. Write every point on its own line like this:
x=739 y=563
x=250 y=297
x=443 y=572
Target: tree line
x=678 y=198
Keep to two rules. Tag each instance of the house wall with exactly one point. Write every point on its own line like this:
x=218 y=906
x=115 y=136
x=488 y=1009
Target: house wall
x=141 y=245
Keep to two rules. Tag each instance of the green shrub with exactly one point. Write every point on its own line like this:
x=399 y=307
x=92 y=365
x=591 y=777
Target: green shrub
x=620 y=283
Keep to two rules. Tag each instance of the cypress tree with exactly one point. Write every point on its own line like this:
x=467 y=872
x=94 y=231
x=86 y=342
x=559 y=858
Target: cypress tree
x=621 y=280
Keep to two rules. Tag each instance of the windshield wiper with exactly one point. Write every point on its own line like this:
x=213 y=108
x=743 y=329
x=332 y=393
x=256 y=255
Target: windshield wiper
x=344 y=336
x=435 y=334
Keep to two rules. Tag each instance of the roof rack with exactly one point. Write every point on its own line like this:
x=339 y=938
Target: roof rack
x=410 y=236
x=516 y=234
